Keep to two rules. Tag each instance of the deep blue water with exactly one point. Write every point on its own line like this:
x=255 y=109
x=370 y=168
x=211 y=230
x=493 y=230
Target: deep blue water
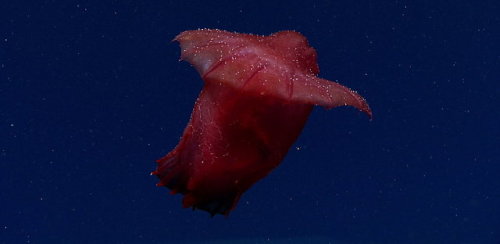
x=91 y=93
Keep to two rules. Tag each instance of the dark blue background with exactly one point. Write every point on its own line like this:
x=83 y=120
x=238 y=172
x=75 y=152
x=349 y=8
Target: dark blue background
x=91 y=93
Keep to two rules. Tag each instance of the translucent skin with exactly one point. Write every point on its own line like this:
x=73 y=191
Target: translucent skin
x=258 y=93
